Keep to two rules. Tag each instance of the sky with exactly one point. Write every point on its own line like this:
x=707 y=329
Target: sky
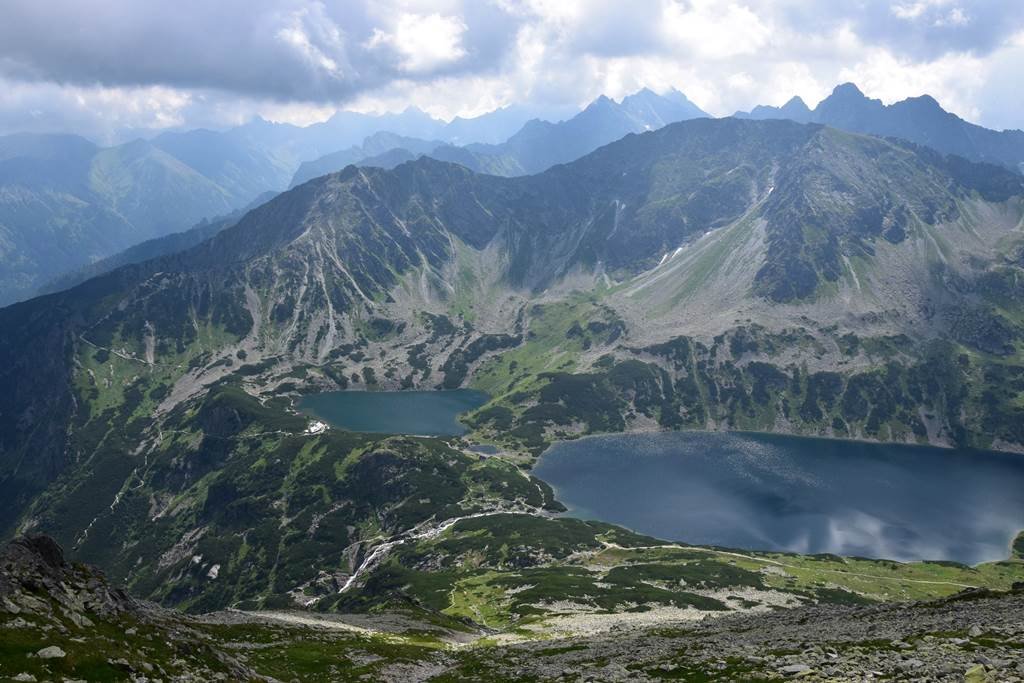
x=107 y=68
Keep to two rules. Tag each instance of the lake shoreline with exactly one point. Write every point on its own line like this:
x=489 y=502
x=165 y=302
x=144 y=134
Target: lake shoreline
x=792 y=435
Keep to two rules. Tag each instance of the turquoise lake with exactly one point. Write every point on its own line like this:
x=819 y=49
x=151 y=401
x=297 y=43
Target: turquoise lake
x=422 y=413
x=801 y=495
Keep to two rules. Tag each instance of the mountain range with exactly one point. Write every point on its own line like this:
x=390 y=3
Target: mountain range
x=710 y=274
x=537 y=146
x=66 y=203
x=917 y=119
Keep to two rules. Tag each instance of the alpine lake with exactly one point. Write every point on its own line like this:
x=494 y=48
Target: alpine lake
x=750 y=491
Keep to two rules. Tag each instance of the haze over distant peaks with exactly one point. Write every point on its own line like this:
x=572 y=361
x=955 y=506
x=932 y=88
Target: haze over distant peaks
x=537 y=146
x=918 y=119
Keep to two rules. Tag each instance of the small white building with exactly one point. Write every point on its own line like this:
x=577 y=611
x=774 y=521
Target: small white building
x=316 y=427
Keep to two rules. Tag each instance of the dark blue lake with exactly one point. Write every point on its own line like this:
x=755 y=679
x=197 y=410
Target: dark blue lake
x=423 y=413
x=782 y=493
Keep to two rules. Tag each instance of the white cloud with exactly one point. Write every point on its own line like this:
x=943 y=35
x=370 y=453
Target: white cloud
x=296 y=34
x=714 y=30
x=956 y=17
x=889 y=78
x=912 y=10
x=423 y=42
x=120 y=63
x=97 y=112
x=934 y=11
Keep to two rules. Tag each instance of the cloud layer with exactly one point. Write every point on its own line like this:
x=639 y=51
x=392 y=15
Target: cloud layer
x=103 y=65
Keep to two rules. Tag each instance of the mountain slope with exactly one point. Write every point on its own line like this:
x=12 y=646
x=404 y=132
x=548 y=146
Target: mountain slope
x=65 y=203
x=917 y=119
x=67 y=620
x=151 y=249
x=153 y=190
x=245 y=171
x=712 y=274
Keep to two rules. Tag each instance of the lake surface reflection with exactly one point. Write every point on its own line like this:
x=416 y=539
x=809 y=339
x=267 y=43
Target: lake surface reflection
x=802 y=495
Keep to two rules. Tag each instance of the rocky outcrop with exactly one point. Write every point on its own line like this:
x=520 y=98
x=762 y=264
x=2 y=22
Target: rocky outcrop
x=36 y=579
x=63 y=621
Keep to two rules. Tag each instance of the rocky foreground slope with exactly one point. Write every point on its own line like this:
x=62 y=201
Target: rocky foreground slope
x=64 y=622
x=60 y=621
x=973 y=636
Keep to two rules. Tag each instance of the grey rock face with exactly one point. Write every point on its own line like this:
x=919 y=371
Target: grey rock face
x=791 y=669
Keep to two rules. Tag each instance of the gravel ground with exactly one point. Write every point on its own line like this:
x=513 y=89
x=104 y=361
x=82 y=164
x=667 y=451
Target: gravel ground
x=974 y=636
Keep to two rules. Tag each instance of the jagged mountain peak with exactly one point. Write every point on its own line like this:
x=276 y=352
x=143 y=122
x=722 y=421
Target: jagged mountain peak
x=642 y=94
x=921 y=120
x=600 y=102
x=924 y=102
x=848 y=90
x=672 y=99
x=796 y=104
x=847 y=103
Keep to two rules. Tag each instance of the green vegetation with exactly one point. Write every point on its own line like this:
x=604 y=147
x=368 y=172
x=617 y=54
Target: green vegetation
x=145 y=406
x=556 y=335
x=969 y=399
x=520 y=572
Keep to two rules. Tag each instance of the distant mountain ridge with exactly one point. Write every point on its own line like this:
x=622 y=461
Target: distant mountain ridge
x=154 y=248
x=537 y=146
x=918 y=119
x=65 y=202
x=346 y=129
x=373 y=146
